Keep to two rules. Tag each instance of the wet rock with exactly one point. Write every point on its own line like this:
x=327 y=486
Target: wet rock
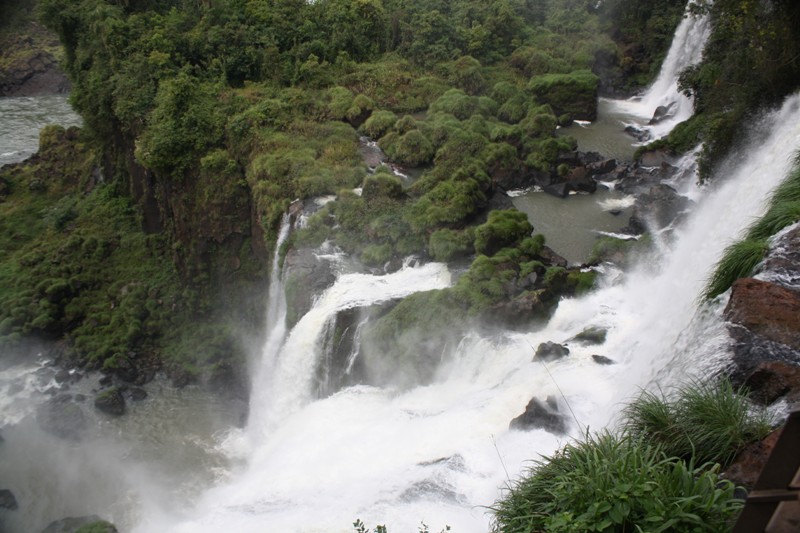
x=541 y=415
x=306 y=276
x=748 y=464
x=767 y=310
x=580 y=179
x=602 y=167
x=772 y=380
x=591 y=335
x=557 y=189
x=73 y=524
x=639 y=134
x=782 y=263
x=662 y=113
x=521 y=311
x=550 y=351
x=657 y=209
x=8 y=500
x=551 y=257
x=62 y=417
x=110 y=401
x=603 y=360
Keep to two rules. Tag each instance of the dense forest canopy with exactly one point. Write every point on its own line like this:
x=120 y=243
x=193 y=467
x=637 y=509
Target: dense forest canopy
x=210 y=117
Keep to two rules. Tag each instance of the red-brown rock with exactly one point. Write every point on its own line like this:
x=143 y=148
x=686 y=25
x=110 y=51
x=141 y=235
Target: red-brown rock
x=772 y=380
x=767 y=310
x=749 y=463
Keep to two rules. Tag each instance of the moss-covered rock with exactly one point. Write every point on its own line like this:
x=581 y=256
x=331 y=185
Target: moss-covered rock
x=574 y=93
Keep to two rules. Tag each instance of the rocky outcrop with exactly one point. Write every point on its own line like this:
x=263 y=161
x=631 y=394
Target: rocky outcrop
x=305 y=276
x=748 y=464
x=550 y=351
x=28 y=63
x=656 y=209
x=771 y=381
x=541 y=415
x=110 y=401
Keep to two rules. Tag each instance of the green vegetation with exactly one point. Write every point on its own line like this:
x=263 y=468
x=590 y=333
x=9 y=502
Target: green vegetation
x=741 y=258
x=98 y=527
x=660 y=473
x=612 y=482
x=708 y=422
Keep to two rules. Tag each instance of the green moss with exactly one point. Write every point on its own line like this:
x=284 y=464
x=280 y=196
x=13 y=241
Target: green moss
x=502 y=229
x=574 y=93
x=379 y=123
x=445 y=244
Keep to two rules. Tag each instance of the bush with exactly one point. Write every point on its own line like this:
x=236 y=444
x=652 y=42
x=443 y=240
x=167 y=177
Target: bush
x=704 y=422
x=615 y=483
x=411 y=149
x=504 y=228
x=379 y=123
x=382 y=184
x=446 y=244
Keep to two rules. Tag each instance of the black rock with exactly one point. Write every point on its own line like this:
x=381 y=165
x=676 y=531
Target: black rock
x=557 y=189
x=662 y=112
x=603 y=360
x=591 y=335
x=8 y=500
x=62 y=417
x=541 y=415
x=550 y=351
x=110 y=401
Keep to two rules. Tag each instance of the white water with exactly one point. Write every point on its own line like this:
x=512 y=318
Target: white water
x=686 y=50
x=439 y=453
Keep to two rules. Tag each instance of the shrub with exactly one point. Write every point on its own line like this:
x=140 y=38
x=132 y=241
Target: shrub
x=504 y=228
x=382 y=184
x=615 y=483
x=379 y=123
x=706 y=422
x=446 y=244
x=411 y=149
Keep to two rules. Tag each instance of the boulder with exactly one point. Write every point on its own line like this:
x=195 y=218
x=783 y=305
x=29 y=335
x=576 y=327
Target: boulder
x=550 y=351
x=557 y=189
x=62 y=417
x=541 y=415
x=655 y=158
x=580 y=179
x=521 y=311
x=767 y=310
x=591 y=335
x=599 y=168
x=782 y=263
x=8 y=501
x=603 y=360
x=552 y=258
x=772 y=380
x=662 y=113
x=639 y=134
x=110 y=401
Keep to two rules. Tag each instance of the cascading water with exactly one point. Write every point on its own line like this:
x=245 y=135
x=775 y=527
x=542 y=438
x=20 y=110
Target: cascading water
x=439 y=453
x=686 y=50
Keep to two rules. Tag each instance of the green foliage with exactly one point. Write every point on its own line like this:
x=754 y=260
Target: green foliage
x=707 y=422
x=445 y=244
x=504 y=228
x=379 y=123
x=411 y=149
x=738 y=261
x=574 y=93
x=100 y=526
x=612 y=482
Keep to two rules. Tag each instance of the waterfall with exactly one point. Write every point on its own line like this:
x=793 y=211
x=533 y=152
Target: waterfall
x=686 y=50
x=439 y=453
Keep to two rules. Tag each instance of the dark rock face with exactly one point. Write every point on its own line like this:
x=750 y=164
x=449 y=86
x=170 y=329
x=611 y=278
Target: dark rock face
x=772 y=380
x=8 y=500
x=336 y=369
x=767 y=310
x=305 y=277
x=63 y=417
x=782 y=264
x=541 y=415
x=110 y=401
x=550 y=351
x=662 y=113
x=603 y=360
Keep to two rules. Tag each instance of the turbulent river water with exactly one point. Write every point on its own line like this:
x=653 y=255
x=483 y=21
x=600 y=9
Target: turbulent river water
x=180 y=462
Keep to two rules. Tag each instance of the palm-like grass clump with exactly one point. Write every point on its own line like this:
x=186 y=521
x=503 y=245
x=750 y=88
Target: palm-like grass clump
x=709 y=422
